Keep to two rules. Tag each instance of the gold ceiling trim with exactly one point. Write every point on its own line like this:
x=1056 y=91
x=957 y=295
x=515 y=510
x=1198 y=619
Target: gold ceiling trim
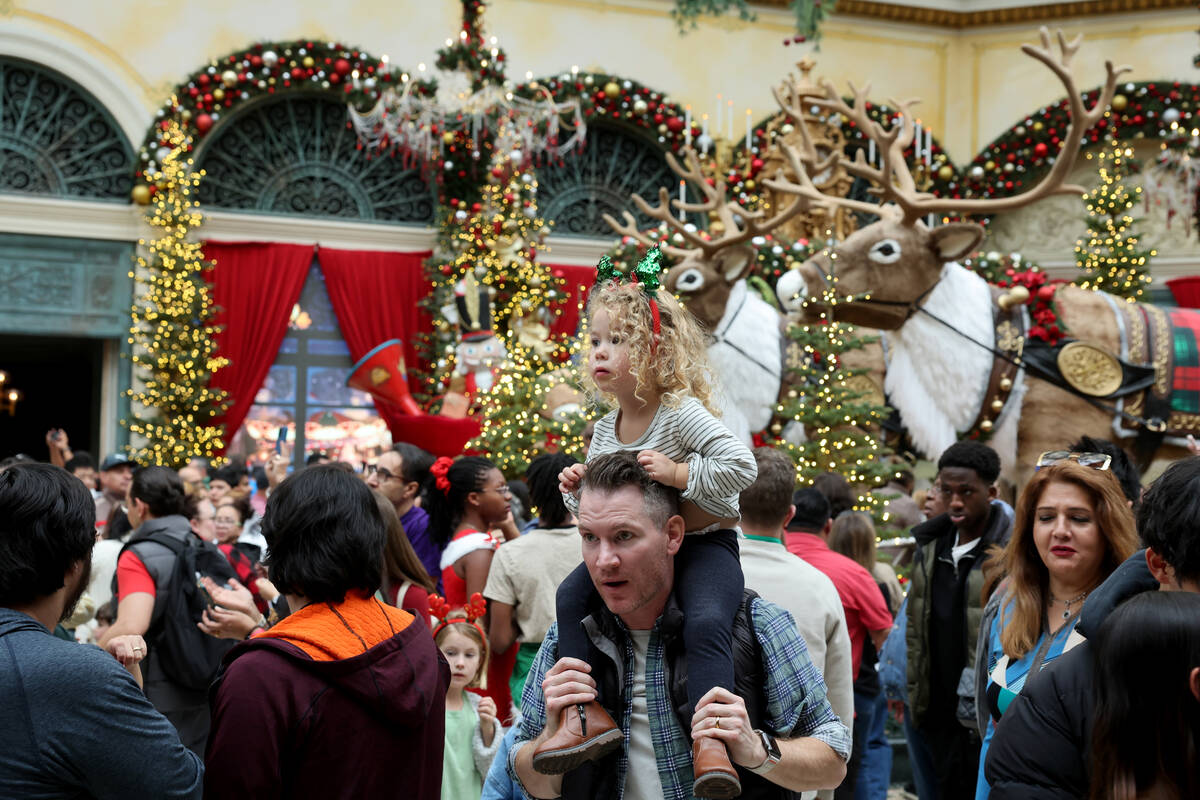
x=1016 y=15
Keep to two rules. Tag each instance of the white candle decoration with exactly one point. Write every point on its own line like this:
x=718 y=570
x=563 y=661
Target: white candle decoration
x=682 y=198
x=749 y=131
x=729 y=122
x=871 y=151
x=928 y=147
x=687 y=125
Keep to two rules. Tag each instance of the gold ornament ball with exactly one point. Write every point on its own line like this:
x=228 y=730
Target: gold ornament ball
x=986 y=425
x=662 y=129
x=945 y=172
x=1120 y=102
x=1005 y=384
x=1039 y=126
x=448 y=137
x=218 y=94
x=749 y=185
x=229 y=78
x=640 y=107
x=997 y=405
x=612 y=89
x=989 y=166
x=776 y=428
x=308 y=62
x=141 y=194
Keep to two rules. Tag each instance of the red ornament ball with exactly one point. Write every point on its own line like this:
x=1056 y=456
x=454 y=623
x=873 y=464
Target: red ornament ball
x=204 y=123
x=341 y=66
x=675 y=124
x=203 y=80
x=1046 y=293
x=1040 y=150
x=256 y=61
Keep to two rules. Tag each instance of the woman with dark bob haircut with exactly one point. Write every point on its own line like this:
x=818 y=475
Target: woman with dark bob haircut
x=1146 y=737
x=277 y=729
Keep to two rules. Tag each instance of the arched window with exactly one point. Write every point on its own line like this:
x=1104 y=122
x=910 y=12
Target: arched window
x=56 y=139
x=293 y=154
x=615 y=163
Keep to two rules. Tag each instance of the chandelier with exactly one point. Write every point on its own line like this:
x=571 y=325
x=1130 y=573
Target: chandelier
x=467 y=104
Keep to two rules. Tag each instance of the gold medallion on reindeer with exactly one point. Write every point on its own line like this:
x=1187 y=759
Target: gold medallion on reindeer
x=1090 y=369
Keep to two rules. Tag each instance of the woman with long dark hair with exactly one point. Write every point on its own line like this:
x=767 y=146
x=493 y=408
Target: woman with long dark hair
x=1073 y=528
x=406 y=584
x=1146 y=736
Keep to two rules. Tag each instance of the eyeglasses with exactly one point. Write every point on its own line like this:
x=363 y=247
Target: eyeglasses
x=504 y=490
x=1099 y=461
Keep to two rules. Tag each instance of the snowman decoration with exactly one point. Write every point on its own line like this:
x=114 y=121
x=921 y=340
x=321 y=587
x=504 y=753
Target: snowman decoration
x=479 y=353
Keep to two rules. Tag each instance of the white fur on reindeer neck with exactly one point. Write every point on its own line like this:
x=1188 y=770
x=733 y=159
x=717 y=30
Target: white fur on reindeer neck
x=745 y=359
x=936 y=378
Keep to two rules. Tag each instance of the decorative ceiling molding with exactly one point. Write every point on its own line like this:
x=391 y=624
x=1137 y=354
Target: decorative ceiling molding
x=1013 y=15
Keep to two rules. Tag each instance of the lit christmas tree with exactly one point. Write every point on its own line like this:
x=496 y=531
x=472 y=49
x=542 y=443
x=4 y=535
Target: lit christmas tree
x=1108 y=255
x=532 y=409
x=837 y=407
x=173 y=347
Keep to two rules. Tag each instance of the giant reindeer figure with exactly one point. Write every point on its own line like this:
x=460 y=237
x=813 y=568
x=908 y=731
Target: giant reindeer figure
x=747 y=344
x=959 y=363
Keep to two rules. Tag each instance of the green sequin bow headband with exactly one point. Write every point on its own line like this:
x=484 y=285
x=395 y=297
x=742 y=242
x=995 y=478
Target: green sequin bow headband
x=645 y=274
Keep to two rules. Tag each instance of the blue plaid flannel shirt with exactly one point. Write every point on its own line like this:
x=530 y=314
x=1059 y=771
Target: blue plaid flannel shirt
x=795 y=693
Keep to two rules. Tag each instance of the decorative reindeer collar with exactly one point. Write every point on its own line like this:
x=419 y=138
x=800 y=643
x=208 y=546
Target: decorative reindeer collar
x=445 y=615
x=645 y=274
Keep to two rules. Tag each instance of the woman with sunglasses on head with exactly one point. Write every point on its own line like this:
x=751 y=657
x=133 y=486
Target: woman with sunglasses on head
x=1073 y=528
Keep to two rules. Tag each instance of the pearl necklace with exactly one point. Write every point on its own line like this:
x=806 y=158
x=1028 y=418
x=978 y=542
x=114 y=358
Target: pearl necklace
x=1067 y=612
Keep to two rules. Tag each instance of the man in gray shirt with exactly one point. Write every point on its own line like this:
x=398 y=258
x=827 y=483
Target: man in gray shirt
x=73 y=722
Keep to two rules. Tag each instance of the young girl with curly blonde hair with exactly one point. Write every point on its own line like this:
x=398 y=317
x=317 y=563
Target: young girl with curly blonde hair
x=647 y=357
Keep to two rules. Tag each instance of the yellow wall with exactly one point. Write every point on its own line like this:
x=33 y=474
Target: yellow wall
x=974 y=83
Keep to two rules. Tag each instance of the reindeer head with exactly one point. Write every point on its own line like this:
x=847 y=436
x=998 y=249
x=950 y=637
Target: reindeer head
x=707 y=267
x=885 y=269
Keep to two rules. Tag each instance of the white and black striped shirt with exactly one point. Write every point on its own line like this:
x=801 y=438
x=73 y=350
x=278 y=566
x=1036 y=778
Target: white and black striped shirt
x=719 y=465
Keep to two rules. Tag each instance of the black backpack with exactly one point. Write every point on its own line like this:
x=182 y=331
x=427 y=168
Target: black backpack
x=186 y=654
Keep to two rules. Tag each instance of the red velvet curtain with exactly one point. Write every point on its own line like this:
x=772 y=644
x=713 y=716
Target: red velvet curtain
x=376 y=297
x=577 y=281
x=255 y=286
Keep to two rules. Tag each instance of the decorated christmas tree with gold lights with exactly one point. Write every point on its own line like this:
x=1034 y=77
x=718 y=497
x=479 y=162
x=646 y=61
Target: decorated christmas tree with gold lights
x=497 y=242
x=173 y=348
x=1109 y=255
x=839 y=409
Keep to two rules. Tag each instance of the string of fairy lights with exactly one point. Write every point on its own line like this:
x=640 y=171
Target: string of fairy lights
x=171 y=335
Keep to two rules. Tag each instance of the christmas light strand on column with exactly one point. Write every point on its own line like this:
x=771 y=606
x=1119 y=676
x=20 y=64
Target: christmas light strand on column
x=172 y=339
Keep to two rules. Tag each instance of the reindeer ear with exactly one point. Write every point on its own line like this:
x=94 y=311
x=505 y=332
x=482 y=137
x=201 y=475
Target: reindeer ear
x=956 y=240
x=734 y=263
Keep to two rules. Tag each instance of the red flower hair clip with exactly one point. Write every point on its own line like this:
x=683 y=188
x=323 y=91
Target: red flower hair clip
x=438 y=471
x=445 y=615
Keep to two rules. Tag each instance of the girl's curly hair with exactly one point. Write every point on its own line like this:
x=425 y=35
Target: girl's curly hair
x=674 y=369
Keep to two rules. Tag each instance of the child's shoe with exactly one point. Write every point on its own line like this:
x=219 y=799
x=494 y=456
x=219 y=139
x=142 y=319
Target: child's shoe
x=715 y=774
x=586 y=732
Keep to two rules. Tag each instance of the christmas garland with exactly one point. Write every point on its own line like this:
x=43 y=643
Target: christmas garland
x=1026 y=151
x=199 y=102
x=809 y=14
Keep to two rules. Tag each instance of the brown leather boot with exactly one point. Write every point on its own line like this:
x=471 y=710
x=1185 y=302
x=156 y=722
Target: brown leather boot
x=715 y=774
x=586 y=732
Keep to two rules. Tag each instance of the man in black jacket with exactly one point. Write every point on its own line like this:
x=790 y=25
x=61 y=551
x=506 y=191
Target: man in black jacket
x=945 y=608
x=1040 y=750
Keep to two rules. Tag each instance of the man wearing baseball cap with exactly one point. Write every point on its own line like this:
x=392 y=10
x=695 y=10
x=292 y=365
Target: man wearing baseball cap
x=116 y=470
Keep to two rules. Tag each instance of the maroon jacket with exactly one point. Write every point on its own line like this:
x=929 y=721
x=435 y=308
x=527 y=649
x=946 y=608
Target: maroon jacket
x=286 y=726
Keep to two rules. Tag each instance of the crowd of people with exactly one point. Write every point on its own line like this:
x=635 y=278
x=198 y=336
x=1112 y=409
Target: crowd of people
x=673 y=618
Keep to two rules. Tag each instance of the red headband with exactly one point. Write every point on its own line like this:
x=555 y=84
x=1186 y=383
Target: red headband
x=441 y=611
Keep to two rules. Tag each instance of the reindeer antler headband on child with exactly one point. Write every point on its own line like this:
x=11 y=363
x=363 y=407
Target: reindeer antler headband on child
x=645 y=274
x=441 y=611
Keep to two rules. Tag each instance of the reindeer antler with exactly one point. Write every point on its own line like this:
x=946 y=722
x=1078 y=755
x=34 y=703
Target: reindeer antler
x=893 y=180
x=740 y=223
